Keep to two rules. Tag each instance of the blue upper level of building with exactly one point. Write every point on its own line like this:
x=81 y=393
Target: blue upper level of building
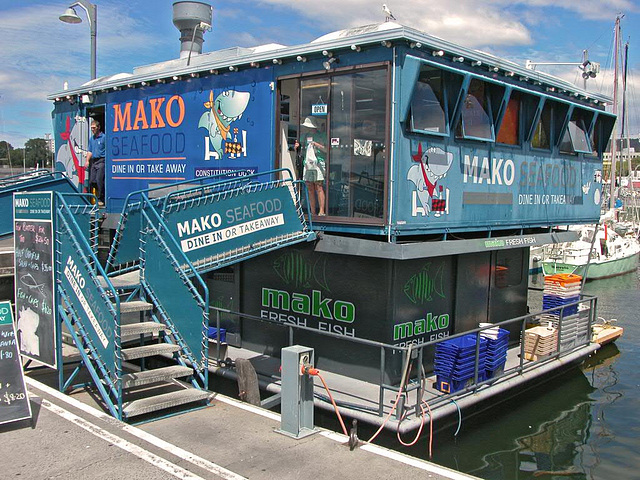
x=396 y=133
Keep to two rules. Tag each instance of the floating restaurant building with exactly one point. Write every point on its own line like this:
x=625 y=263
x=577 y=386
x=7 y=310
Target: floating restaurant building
x=412 y=174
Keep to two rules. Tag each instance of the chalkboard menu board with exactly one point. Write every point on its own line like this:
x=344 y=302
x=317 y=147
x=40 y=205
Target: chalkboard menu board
x=14 y=402
x=34 y=276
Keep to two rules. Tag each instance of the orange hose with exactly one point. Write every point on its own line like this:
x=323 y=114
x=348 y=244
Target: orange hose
x=405 y=380
x=317 y=373
x=430 y=428
x=415 y=440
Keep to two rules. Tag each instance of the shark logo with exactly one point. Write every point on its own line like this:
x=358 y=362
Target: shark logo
x=431 y=166
x=225 y=109
x=70 y=157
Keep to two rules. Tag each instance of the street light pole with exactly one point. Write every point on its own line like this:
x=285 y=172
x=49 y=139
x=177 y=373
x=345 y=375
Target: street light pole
x=70 y=16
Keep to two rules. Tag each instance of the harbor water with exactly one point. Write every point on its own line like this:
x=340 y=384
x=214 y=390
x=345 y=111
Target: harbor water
x=583 y=424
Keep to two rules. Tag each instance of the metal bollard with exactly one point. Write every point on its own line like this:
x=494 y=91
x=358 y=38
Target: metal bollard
x=296 y=417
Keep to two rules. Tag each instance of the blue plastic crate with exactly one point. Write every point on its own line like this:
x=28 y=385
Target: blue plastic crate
x=497 y=354
x=452 y=385
x=461 y=345
x=495 y=371
x=493 y=364
x=213 y=334
x=459 y=375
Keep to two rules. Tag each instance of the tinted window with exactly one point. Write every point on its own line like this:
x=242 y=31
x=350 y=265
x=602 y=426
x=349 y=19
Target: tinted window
x=428 y=108
x=476 y=119
x=509 y=132
x=542 y=133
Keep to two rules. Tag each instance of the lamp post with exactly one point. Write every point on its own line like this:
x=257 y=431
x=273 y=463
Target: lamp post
x=70 y=16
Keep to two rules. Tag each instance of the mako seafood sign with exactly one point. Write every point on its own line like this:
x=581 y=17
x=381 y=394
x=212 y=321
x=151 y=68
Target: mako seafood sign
x=234 y=222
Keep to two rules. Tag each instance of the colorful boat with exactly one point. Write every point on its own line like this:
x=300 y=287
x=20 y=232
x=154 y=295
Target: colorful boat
x=612 y=254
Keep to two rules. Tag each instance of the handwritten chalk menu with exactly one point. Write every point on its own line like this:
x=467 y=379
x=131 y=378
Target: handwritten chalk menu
x=34 y=280
x=14 y=402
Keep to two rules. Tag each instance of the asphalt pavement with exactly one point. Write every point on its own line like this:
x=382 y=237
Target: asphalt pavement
x=69 y=437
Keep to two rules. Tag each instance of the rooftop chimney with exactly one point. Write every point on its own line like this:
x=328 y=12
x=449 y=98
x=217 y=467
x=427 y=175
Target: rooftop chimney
x=192 y=19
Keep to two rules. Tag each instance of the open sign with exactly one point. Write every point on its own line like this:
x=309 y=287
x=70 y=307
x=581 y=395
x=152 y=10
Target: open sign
x=319 y=109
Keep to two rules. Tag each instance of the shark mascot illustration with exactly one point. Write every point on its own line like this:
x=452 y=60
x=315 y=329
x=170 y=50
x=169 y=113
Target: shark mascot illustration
x=70 y=157
x=431 y=166
x=225 y=109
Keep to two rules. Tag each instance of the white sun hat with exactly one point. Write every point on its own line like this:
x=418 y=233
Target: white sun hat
x=308 y=122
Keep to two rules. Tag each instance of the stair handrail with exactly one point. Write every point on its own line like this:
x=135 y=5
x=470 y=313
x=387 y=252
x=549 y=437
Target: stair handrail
x=90 y=203
x=178 y=200
x=129 y=204
x=189 y=274
x=308 y=222
x=13 y=181
x=223 y=182
x=24 y=176
x=107 y=293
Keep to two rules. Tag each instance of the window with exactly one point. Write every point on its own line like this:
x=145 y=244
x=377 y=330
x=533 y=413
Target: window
x=542 y=134
x=428 y=107
x=601 y=132
x=333 y=128
x=576 y=138
x=358 y=148
x=508 y=268
x=476 y=121
x=509 y=132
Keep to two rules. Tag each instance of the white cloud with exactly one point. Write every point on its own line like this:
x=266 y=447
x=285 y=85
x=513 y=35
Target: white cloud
x=39 y=53
x=587 y=9
x=470 y=23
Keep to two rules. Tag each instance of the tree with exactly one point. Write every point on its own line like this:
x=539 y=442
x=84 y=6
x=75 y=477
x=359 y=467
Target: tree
x=6 y=152
x=36 y=152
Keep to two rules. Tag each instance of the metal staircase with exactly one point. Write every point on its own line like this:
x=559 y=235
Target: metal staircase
x=119 y=334
x=142 y=330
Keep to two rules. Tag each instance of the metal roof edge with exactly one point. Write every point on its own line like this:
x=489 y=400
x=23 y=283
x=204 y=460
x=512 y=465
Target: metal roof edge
x=404 y=33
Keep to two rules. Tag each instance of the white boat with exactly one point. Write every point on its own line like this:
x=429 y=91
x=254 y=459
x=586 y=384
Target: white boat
x=612 y=254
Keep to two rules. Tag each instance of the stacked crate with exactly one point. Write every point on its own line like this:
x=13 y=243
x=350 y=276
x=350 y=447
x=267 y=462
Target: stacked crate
x=497 y=345
x=563 y=289
x=540 y=342
x=454 y=363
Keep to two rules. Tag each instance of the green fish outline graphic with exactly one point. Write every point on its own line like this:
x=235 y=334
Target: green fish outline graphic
x=421 y=286
x=295 y=269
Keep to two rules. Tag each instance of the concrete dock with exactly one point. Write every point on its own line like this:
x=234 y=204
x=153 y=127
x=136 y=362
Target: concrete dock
x=70 y=436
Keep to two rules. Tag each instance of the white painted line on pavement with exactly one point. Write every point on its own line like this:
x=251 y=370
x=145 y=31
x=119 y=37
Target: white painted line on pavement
x=427 y=466
x=249 y=408
x=141 y=434
x=414 y=462
x=139 y=452
x=335 y=436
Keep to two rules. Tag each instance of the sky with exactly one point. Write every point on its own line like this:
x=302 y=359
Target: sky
x=38 y=52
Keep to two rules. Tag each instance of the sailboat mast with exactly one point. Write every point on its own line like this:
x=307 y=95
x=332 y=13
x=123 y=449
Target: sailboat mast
x=612 y=176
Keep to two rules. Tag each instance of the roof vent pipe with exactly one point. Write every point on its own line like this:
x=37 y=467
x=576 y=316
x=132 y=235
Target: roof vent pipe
x=192 y=19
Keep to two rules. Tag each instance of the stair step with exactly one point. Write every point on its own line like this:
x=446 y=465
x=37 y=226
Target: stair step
x=148 y=351
x=160 y=402
x=135 y=306
x=129 y=279
x=141 y=327
x=146 y=377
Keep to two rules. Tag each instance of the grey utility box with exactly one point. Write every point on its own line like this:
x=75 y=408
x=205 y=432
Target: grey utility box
x=296 y=418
